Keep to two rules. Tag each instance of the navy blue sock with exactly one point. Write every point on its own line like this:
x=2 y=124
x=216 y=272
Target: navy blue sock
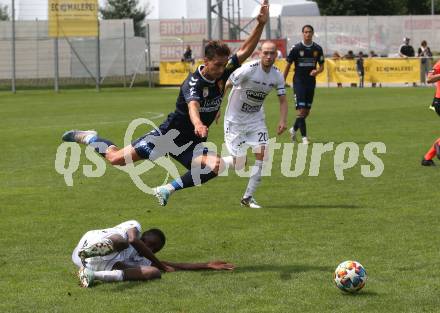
x=186 y=180
x=303 y=127
x=296 y=125
x=100 y=144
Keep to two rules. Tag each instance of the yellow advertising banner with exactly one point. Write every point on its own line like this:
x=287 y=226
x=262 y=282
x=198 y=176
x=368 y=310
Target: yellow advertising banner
x=174 y=73
x=392 y=70
x=377 y=70
x=73 y=18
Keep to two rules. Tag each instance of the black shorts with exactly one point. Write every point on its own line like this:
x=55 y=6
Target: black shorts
x=154 y=145
x=304 y=93
x=436 y=105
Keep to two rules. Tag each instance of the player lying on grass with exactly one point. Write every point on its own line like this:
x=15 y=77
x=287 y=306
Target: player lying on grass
x=244 y=124
x=434 y=77
x=124 y=253
x=181 y=135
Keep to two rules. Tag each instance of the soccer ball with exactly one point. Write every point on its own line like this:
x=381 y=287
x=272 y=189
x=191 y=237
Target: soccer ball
x=350 y=276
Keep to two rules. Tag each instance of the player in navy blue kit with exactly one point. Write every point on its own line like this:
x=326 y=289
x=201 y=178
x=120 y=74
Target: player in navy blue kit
x=305 y=55
x=181 y=135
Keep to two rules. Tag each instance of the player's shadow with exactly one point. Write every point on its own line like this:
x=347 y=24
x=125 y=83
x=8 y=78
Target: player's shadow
x=286 y=272
x=313 y=206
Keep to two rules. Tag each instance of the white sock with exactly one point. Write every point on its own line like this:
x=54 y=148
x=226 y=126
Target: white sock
x=109 y=276
x=229 y=161
x=255 y=179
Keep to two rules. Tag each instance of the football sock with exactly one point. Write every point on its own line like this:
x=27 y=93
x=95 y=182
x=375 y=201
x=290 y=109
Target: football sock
x=109 y=276
x=255 y=179
x=187 y=181
x=432 y=152
x=296 y=124
x=100 y=144
x=302 y=127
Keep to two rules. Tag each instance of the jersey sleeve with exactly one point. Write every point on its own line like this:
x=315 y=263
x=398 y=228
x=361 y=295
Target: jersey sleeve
x=191 y=90
x=124 y=227
x=291 y=56
x=239 y=75
x=233 y=64
x=281 y=89
x=321 y=59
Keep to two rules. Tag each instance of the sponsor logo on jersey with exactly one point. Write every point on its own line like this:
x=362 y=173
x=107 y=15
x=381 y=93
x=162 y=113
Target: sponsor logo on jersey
x=255 y=95
x=301 y=53
x=205 y=92
x=211 y=105
x=250 y=108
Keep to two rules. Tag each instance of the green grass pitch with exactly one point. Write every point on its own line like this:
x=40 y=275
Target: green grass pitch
x=285 y=253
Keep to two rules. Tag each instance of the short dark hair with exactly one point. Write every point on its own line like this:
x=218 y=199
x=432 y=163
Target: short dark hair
x=155 y=232
x=216 y=48
x=309 y=26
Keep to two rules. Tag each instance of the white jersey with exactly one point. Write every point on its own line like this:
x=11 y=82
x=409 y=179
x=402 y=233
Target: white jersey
x=128 y=255
x=123 y=228
x=251 y=85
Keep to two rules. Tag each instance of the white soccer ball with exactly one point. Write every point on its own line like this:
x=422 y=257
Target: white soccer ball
x=350 y=276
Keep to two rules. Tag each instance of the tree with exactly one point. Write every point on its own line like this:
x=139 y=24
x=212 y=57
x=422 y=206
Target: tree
x=4 y=16
x=119 y=9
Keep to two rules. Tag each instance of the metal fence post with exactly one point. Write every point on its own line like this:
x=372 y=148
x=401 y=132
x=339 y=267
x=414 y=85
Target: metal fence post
x=13 y=48
x=125 y=55
x=148 y=39
x=56 y=65
x=98 y=60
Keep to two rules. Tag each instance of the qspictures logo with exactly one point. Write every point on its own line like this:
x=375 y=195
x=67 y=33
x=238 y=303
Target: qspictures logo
x=346 y=156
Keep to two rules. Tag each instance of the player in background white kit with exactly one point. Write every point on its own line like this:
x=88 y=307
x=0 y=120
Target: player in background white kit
x=121 y=253
x=244 y=124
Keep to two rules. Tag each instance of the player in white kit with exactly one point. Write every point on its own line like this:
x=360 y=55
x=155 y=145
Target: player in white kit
x=121 y=253
x=244 y=124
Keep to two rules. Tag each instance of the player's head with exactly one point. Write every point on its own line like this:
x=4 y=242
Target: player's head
x=406 y=40
x=154 y=239
x=307 y=31
x=424 y=43
x=216 y=58
x=268 y=53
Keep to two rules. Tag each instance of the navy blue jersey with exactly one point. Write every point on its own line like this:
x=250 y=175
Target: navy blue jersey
x=208 y=93
x=305 y=59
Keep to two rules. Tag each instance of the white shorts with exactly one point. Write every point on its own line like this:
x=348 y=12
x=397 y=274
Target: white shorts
x=128 y=256
x=239 y=137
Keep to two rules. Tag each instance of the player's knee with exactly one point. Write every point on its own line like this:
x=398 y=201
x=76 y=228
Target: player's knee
x=119 y=243
x=151 y=272
x=115 y=159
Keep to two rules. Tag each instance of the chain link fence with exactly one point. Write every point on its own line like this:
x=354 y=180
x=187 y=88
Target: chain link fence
x=30 y=58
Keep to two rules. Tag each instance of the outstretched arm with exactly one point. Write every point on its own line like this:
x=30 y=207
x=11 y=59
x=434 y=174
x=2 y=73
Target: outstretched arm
x=251 y=42
x=213 y=265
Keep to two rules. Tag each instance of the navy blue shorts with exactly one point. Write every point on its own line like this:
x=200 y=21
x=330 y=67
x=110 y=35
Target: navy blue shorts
x=304 y=93
x=154 y=144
